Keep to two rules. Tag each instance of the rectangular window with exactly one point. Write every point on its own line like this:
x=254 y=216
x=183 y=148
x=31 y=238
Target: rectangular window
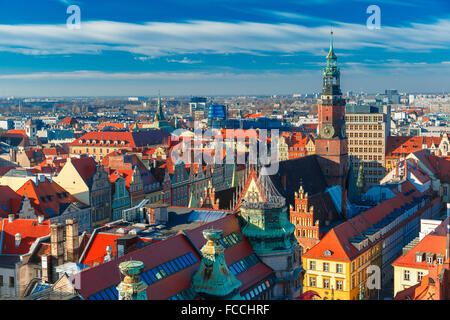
x=419 y=276
x=406 y=275
x=339 y=268
x=339 y=285
x=312 y=265
x=312 y=282
x=326 y=283
x=326 y=266
x=11 y=282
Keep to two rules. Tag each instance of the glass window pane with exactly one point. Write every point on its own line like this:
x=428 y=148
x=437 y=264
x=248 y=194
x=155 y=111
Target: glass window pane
x=189 y=258
x=146 y=278
x=151 y=275
x=104 y=295
x=232 y=270
x=179 y=263
x=110 y=294
x=174 y=266
x=168 y=268
x=186 y=261
x=191 y=255
x=115 y=292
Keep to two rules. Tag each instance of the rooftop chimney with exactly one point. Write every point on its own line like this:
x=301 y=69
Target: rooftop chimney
x=57 y=243
x=125 y=244
x=11 y=217
x=72 y=240
x=40 y=219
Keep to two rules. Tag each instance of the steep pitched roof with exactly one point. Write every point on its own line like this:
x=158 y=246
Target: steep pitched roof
x=85 y=167
x=29 y=231
x=9 y=201
x=48 y=198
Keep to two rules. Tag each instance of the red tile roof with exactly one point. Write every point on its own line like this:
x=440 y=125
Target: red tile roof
x=96 y=251
x=115 y=125
x=85 y=167
x=9 y=201
x=125 y=139
x=17 y=132
x=29 y=230
x=396 y=146
x=68 y=121
x=47 y=198
x=430 y=244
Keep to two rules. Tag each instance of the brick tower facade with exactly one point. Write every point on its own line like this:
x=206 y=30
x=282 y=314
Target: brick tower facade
x=331 y=144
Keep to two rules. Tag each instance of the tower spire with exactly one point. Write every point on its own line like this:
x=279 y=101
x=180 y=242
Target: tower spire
x=331 y=54
x=159 y=112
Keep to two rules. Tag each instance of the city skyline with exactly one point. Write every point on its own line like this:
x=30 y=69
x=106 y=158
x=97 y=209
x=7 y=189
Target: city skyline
x=219 y=47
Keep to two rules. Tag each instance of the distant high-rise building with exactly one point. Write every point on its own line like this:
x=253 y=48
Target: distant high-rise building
x=217 y=116
x=198 y=106
x=392 y=96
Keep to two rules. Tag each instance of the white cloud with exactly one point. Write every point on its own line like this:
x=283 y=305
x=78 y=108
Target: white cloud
x=100 y=75
x=185 y=60
x=163 y=39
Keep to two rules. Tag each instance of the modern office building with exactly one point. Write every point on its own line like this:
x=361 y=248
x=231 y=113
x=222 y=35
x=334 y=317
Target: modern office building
x=367 y=128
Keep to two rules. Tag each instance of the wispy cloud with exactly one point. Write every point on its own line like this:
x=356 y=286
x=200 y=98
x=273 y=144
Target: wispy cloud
x=100 y=75
x=164 y=39
x=185 y=60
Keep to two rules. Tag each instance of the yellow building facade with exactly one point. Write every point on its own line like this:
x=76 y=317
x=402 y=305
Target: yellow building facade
x=340 y=279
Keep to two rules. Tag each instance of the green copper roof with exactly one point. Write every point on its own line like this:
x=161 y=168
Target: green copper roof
x=159 y=112
x=214 y=280
x=331 y=54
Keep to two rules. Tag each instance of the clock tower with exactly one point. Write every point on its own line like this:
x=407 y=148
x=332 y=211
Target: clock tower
x=331 y=143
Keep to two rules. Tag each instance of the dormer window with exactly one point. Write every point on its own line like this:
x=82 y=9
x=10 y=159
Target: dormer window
x=440 y=260
x=429 y=259
x=419 y=257
x=18 y=239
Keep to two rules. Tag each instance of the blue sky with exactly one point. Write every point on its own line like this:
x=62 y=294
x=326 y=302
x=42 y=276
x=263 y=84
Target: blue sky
x=218 y=47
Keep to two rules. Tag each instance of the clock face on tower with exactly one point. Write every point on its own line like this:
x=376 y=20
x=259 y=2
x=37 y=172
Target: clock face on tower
x=327 y=131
